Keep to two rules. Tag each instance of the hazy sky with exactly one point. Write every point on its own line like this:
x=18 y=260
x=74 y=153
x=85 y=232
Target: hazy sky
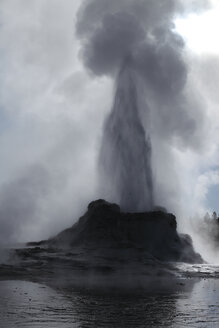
x=52 y=112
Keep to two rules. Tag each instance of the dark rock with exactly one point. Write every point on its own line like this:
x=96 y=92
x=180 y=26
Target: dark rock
x=36 y=243
x=188 y=255
x=104 y=227
x=101 y=203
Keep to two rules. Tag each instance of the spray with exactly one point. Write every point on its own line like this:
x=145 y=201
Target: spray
x=134 y=41
x=125 y=156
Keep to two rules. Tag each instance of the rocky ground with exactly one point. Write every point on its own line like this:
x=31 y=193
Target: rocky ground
x=107 y=246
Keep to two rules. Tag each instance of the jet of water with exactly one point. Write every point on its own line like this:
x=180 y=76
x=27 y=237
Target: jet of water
x=125 y=156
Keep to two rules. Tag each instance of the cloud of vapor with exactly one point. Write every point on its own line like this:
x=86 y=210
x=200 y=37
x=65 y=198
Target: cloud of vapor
x=144 y=30
x=19 y=202
x=49 y=130
x=52 y=107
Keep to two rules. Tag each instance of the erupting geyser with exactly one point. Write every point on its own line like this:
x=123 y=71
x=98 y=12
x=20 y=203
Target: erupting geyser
x=134 y=43
x=125 y=157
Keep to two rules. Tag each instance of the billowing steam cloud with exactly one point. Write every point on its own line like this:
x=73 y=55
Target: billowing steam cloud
x=52 y=111
x=19 y=202
x=134 y=41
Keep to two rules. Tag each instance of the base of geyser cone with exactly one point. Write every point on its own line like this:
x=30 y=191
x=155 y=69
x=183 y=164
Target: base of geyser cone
x=106 y=228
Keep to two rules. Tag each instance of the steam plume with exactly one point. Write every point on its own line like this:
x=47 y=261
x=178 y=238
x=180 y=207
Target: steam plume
x=125 y=155
x=111 y=32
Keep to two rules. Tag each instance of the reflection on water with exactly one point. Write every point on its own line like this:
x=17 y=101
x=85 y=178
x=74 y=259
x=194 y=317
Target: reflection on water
x=201 y=309
x=25 y=304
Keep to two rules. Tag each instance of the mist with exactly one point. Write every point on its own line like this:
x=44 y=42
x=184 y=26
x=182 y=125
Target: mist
x=60 y=76
x=163 y=104
x=125 y=155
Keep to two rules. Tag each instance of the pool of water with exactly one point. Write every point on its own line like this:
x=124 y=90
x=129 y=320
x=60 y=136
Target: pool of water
x=27 y=304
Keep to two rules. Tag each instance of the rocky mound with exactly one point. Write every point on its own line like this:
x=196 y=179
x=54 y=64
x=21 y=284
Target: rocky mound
x=106 y=228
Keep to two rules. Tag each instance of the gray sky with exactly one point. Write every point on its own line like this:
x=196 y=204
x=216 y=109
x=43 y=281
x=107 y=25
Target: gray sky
x=52 y=110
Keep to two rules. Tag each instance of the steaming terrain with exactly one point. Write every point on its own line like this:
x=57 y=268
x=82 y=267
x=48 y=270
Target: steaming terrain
x=110 y=269
x=107 y=247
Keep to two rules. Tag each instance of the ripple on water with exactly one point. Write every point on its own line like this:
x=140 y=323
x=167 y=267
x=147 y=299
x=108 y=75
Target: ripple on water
x=25 y=304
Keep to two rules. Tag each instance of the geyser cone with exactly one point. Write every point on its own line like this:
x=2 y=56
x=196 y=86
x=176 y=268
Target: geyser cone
x=125 y=155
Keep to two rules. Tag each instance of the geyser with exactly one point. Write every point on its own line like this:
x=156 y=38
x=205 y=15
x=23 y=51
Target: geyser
x=134 y=43
x=125 y=156
x=112 y=234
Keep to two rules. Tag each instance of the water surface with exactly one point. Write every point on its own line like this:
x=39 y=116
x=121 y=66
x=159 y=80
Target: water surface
x=27 y=304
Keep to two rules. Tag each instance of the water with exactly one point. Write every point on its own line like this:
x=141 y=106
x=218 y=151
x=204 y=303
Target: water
x=26 y=304
x=125 y=155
